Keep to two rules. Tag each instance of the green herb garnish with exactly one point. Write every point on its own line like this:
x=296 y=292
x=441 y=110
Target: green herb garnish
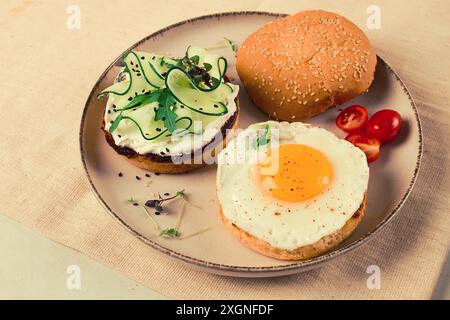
x=195 y=59
x=141 y=100
x=265 y=138
x=199 y=74
x=169 y=233
x=207 y=66
x=136 y=203
x=131 y=200
x=166 y=110
x=180 y=194
x=157 y=204
x=232 y=44
x=115 y=123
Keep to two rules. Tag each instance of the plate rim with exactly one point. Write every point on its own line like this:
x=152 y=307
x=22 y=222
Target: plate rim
x=295 y=265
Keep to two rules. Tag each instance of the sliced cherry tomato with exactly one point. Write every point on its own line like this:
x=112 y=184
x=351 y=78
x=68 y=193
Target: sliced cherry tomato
x=352 y=119
x=367 y=143
x=384 y=125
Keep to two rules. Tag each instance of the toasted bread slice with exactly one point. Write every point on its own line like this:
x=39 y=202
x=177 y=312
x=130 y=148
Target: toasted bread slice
x=325 y=244
x=164 y=164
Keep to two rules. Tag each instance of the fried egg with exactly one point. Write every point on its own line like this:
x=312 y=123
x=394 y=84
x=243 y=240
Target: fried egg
x=290 y=184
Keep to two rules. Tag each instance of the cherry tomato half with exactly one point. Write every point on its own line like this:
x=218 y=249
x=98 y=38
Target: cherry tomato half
x=384 y=125
x=367 y=143
x=352 y=119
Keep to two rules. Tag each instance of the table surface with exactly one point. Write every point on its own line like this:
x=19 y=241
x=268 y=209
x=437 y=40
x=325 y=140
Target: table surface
x=34 y=267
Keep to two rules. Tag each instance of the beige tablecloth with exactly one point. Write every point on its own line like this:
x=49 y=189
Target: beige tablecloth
x=48 y=71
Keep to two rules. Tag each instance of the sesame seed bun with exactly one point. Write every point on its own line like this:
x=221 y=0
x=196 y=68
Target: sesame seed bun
x=319 y=247
x=299 y=66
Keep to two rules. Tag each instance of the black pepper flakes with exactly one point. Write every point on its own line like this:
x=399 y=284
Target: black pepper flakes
x=147 y=175
x=138 y=178
x=120 y=174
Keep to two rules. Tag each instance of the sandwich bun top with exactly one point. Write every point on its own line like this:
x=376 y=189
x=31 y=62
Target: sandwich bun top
x=296 y=67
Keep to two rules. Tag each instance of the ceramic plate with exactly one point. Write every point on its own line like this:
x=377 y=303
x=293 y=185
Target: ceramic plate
x=215 y=250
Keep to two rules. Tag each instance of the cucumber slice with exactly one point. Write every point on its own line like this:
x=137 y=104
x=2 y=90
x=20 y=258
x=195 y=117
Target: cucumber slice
x=208 y=102
x=155 y=67
x=138 y=97
x=153 y=130
x=138 y=82
x=119 y=88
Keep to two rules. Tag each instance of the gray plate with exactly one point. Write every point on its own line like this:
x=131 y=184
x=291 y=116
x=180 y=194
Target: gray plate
x=392 y=175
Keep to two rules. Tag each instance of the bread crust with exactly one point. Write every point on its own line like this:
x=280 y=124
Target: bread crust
x=321 y=246
x=163 y=163
x=299 y=66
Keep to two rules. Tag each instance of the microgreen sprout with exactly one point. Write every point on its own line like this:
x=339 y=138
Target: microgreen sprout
x=225 y=44
x=169 y=233
x=157 y=205
x=265 y=138
x=136 y=203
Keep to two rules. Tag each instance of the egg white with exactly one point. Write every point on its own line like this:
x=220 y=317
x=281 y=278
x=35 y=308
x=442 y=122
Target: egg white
x=296 y=224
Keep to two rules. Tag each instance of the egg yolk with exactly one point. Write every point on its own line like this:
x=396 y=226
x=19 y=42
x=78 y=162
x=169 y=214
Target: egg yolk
x=301 y=173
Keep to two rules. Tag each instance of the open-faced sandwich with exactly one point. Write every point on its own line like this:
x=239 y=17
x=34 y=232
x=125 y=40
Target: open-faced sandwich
x=295 y=193
x=168 y=115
